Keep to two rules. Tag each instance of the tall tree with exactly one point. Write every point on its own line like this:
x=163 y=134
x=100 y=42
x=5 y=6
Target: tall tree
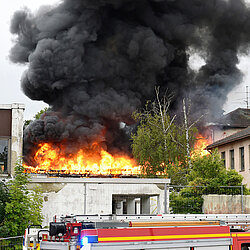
x=188 y=126
x=159 y=145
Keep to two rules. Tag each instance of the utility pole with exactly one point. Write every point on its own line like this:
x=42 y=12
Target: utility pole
x=247 y=100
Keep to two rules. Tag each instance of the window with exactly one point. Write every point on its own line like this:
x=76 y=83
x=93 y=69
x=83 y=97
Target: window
x=4 y=143
x=242 y=164
x=245 y=246
x=223 y=157
x=232 y=159
x=249 y=156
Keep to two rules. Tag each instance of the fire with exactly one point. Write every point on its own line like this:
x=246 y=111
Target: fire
x=201 y=144
x=95 y=161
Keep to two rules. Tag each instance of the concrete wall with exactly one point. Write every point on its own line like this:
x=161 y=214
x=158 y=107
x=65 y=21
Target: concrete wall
x=226 y=204
x=16 y=134
x=62 y=198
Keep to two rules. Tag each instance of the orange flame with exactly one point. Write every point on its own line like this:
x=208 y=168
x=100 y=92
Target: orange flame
x=201 y=144
x=95 y=161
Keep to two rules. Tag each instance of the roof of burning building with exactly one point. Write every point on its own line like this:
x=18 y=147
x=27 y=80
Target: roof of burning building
x=245 y=133
x=239 y=118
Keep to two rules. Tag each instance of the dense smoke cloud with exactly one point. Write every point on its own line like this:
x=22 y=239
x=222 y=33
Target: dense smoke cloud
x=96 y=61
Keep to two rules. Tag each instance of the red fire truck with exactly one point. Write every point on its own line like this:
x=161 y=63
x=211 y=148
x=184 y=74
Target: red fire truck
x=175 y=232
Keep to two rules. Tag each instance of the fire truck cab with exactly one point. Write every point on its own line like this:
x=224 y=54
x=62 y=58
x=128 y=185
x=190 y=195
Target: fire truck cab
x=241 y=240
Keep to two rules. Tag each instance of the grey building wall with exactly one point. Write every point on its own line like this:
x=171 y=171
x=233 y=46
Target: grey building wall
x=12 y=132
x=66 y=196
x=226 y=204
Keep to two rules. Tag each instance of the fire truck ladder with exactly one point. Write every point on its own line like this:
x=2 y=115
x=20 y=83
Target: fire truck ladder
x=235 y=221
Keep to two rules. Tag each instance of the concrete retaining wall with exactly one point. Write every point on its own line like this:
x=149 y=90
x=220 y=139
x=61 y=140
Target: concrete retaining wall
x=226 y=204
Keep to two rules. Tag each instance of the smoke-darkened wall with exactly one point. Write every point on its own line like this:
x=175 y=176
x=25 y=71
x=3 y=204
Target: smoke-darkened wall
x=96 y=61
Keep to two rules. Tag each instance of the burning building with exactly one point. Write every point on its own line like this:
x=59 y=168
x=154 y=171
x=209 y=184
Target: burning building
x=96 y=61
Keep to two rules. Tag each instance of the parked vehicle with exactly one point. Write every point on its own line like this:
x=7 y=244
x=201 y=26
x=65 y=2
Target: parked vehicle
x=175 y=232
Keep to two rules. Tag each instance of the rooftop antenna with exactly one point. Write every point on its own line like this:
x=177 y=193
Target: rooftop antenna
x=247 y=100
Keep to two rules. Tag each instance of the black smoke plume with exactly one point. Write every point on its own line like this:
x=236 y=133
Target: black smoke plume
x=96 y=61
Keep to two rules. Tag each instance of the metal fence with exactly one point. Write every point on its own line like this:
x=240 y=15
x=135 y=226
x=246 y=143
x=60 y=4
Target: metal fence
x=11 y=243
x=189 y=199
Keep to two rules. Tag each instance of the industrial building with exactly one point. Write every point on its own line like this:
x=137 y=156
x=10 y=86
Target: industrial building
x=11 y=137
x=66 y=195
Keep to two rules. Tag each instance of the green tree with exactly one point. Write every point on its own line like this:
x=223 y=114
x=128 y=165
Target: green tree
x=35 y=117
x=4 y=197
x=157 y=152
x=207 y=176
x=209 y=171
x=159 y=145
x=36 y=205
x=38 y=114
x=26 y=123
x=23 y=207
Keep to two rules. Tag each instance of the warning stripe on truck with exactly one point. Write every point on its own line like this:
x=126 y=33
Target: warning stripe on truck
x=162 y=237
x=241 y=234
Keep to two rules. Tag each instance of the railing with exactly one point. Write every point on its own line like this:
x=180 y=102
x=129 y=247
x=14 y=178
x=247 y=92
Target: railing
x=11 y=243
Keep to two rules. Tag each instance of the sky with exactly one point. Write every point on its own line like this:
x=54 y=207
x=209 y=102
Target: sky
x=10 y=73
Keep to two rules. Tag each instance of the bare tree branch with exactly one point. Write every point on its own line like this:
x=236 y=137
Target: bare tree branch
x=197 y=120
x=170 y=123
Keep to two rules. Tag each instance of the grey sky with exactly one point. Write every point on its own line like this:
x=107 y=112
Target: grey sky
x=10 y=73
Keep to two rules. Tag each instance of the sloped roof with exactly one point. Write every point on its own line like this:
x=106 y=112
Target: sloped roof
x=245 y=133
x=239 y=118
